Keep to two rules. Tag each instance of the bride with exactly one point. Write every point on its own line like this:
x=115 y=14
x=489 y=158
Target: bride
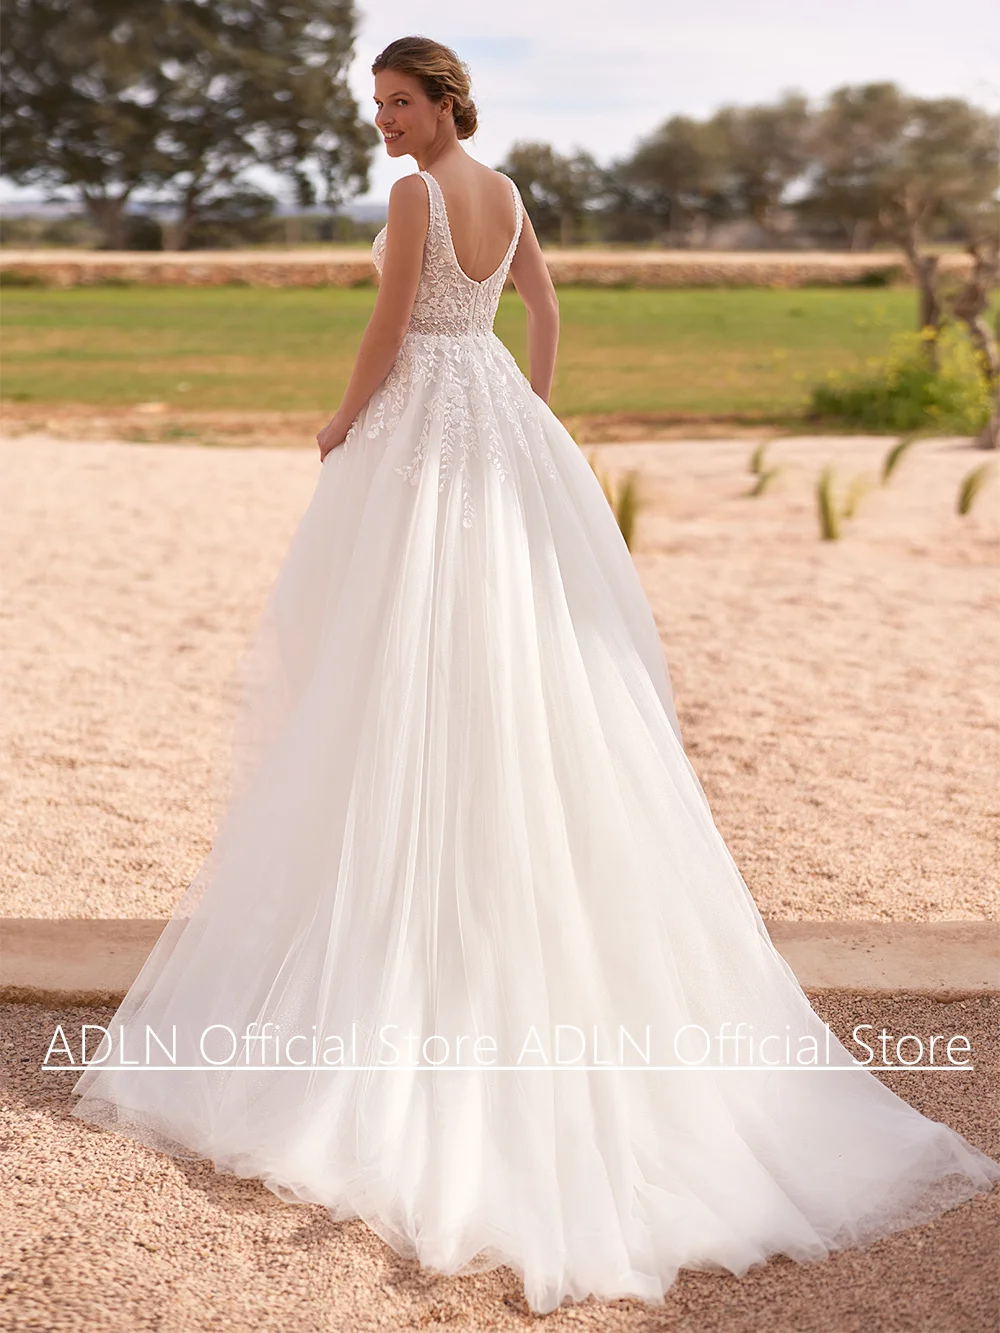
x=469 y=959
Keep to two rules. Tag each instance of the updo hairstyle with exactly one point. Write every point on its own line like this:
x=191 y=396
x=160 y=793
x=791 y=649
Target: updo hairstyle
x=440 y=73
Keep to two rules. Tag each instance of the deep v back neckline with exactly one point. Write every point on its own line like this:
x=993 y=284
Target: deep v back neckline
x=435 y=184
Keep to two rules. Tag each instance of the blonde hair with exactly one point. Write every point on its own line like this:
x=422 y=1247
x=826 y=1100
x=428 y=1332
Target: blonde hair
x=440 y=72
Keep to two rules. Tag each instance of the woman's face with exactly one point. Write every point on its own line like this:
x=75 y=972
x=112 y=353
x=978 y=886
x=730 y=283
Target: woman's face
x=406 y=117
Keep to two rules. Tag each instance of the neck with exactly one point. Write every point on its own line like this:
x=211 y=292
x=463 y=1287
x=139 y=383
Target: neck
x=445 y=144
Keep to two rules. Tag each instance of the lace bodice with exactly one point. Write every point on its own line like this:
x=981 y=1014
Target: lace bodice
x=455 y=402
x=448 y=301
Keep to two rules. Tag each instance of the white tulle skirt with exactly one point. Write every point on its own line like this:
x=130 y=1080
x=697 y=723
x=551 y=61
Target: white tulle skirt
x=469 y=908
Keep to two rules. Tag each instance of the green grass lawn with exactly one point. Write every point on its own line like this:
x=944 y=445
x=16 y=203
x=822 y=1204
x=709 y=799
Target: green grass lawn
x=750 y=352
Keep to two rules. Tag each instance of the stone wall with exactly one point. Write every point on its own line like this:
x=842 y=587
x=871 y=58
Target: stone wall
x=351 y=268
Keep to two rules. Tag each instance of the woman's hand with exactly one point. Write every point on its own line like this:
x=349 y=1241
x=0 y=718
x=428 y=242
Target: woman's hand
x=332 y=434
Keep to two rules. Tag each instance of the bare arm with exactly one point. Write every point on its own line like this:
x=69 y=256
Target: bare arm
x=534 y=286
x=406 y=231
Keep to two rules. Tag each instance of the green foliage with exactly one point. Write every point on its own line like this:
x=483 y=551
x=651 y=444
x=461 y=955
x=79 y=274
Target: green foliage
x=178 y=99
x=896 y=455
x=764 y=475
x=873 y=157
x=556 y=189
x=881 y=277
x=827 y=506
x=142 y=232
x=759 y=457
x=241 y=217
x=883 y=159
x=30 y=233
x=834 y=505
x=764 y=482
x=972 y=483
x=904 y=392
x=624 y=497
x=626 y=506
x=13 y=277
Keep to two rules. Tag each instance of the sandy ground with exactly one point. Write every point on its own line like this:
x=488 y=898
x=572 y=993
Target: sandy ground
x=103 y=1236
x=838 y=699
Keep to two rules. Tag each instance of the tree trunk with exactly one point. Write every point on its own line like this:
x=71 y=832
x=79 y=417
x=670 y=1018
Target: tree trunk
x=176 y=236
x=861 y=235
x=971 y=306
x=924 y=268
x=108 y=211
x=989 y=436
x=972 y=303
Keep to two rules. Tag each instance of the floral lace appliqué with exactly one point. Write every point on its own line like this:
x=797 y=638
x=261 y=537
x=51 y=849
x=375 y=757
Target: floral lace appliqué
x=452 y=361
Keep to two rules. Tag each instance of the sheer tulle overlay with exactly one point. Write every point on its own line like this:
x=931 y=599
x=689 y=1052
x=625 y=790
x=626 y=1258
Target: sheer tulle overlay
x=467 y=868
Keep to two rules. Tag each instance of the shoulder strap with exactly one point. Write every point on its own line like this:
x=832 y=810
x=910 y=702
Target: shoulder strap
x=518 y=214
x=518 y=224
x=438 y=215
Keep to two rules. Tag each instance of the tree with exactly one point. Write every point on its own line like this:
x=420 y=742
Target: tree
x=557 y=190
x=673 y=180
x=177 y=98
x=910 y=169
x=761 y=151
x=853 y=144
x=241 y=217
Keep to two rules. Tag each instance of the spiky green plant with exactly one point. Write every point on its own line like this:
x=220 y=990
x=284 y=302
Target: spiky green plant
x=758 y=459
x=857 y=489
x=826 y=504
x=764 y=481
x=758 y=467
x=625 y=498
x=626 y=506
x=972 y=483
x=896 y=455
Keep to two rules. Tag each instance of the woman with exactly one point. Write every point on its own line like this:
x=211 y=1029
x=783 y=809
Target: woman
x=469 y=958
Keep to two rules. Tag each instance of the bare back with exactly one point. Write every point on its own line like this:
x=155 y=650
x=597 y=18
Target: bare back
x=481 y=213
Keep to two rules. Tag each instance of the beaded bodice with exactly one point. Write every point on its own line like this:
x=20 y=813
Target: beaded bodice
x=448 y=301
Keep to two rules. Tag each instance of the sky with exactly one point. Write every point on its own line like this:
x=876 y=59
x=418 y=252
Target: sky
x=600 y=74
x=579 y=73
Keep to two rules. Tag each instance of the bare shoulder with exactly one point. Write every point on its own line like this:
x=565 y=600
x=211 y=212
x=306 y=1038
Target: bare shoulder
x=494 y=180
x=409 y=195
x=409 y=214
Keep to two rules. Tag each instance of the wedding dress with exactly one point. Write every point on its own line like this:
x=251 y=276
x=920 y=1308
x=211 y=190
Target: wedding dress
x=469 y=877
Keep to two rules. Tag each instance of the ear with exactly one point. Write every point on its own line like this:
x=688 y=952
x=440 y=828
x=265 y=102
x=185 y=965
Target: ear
x=445 y=106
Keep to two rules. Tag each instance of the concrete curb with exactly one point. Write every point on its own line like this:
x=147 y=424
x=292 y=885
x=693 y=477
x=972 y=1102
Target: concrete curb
x=93 y=962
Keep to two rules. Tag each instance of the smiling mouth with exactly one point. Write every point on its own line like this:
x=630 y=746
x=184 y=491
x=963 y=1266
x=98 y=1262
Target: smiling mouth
x=390 y=135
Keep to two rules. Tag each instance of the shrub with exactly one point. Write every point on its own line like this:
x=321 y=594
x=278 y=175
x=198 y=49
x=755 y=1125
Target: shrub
x=905 y=393
x=17 y=277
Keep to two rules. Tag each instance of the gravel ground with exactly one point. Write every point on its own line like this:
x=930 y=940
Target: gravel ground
x=104 y=1236
x=838 y=699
